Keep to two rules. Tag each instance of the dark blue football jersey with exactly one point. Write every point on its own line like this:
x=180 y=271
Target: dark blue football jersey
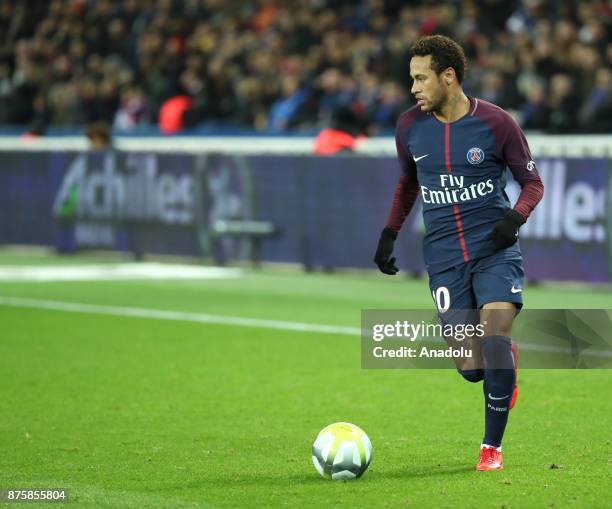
x=459 y=168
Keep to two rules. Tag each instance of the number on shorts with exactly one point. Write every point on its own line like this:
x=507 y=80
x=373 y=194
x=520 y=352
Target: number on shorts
x=441 y=297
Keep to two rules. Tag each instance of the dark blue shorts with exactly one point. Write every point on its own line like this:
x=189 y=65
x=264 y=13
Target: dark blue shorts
x=495 y=278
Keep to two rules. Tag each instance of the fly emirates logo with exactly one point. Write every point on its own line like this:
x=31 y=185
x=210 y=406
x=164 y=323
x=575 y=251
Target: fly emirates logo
x=452 y=190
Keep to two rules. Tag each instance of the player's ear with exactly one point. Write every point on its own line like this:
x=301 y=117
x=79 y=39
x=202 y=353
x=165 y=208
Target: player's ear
x=449 y=76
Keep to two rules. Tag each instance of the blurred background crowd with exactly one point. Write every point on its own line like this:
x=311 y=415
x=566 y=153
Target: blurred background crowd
x=278 y=66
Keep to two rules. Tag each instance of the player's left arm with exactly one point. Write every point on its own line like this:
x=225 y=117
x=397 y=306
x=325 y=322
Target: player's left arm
x=517 y=156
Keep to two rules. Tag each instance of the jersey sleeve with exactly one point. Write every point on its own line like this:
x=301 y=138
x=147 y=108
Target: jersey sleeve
x=517 y=156
x=407 y=188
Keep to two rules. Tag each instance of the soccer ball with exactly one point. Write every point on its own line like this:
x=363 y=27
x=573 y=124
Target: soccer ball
x=342 y=451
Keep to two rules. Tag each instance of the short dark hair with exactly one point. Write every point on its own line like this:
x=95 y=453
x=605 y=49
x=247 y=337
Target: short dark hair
x=444 y=53
x=99 y=130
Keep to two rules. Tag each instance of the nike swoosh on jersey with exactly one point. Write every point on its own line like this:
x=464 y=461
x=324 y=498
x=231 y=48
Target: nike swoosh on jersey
x=416 y=159
x=516 y=290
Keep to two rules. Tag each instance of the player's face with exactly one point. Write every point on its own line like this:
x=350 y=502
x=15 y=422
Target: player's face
x=427 y=86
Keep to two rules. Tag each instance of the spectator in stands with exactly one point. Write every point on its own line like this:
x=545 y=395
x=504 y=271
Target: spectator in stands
x=285 y=110
x=596 y=115
x=287 y=65
x=35 y=131
x=391 y=102
x=563 y=104
x=98 y=135
x=133 y=110
x=172 y=114
x=534 y=113
x=346 y=130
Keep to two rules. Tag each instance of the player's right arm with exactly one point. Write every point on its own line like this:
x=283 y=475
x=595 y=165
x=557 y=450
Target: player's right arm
x=404 y=197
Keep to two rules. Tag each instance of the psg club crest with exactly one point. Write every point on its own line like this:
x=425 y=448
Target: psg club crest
x=475 y=155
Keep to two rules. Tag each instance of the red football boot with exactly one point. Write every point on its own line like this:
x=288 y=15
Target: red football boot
x=514 y=350
x=490 y=458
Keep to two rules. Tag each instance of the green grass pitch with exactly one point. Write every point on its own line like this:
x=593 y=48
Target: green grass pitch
x=141 y=412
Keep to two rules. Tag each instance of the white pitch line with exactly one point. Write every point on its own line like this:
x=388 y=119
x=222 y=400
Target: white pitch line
x=115 y=272
x=183 y=316
x=75 y=307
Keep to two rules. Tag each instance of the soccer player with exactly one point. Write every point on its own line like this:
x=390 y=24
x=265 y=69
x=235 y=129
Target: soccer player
x=454 y=150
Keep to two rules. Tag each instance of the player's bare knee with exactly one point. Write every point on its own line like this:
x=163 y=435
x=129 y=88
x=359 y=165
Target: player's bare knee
x=498 y=329
x=497 y=318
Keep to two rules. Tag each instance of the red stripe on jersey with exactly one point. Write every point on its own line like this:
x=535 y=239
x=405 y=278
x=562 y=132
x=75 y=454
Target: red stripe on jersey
x=466 y=257
x=447 y=147
x=464 y=251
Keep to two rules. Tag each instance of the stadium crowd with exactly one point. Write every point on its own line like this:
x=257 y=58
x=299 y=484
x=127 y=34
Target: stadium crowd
x=281 y=65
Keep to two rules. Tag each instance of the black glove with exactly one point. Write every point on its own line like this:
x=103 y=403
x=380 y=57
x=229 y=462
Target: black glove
x=506 y=230
x=384 y=250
